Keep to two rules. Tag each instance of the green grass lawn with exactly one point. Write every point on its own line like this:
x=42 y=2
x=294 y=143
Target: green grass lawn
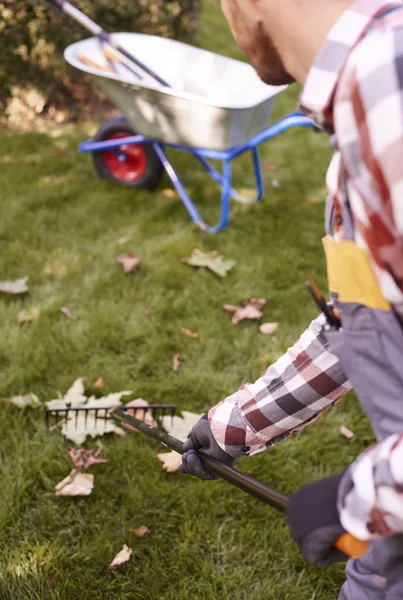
x=208 y=540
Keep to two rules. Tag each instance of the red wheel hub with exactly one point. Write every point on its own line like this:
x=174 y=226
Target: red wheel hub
x=127 y=162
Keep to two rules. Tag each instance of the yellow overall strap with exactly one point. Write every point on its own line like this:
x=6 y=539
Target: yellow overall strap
x=350 y=274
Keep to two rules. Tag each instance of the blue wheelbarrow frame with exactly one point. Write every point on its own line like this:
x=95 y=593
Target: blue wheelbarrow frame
x=224 y=179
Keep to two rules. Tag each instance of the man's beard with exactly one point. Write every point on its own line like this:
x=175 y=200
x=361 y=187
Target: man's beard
x=264 y=57
x=260 y=50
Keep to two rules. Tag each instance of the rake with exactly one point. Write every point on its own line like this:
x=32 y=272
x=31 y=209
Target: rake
x=101 y=415
x=346 y=543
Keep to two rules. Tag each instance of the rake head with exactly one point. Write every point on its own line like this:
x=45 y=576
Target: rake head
x=101 y=416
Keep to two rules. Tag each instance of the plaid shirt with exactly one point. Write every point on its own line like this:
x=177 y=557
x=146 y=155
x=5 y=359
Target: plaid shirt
x=355 y=88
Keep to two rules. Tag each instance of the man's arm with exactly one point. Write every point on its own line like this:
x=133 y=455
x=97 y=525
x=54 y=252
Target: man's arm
x=366 y=501
x=293 y=392
x=370 y=499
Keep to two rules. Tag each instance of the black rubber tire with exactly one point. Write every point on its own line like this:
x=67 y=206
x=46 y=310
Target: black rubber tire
x=154 y=169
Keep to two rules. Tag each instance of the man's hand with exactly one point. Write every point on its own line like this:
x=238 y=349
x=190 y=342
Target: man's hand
x=201 y=438
x=314 y=521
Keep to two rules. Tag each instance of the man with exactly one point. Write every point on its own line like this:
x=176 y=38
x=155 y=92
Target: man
x=349 y=58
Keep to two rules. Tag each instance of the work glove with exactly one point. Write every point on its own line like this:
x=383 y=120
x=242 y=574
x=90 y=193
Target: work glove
x=201 y=438
x=314 y=521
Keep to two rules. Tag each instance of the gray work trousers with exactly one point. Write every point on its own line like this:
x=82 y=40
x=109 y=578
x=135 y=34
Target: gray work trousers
x=378 y=575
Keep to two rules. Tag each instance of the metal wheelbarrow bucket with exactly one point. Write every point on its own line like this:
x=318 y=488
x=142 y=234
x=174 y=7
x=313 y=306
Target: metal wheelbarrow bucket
x=214 y=102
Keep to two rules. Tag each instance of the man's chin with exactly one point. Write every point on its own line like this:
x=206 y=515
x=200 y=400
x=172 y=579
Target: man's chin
x=276 y=79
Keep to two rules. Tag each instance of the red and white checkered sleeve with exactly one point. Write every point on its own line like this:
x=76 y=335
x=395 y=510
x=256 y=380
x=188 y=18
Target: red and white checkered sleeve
x=370 y=498
x=294 y=391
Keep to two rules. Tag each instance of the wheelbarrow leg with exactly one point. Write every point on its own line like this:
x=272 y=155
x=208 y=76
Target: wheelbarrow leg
x=187 y=201
x=178 y=185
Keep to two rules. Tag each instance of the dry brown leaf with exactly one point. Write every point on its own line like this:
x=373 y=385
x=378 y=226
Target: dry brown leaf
x=55 y=267
x=140 y=531
x=124 y=239
x=230 y=308
x=59 y=153
x=31 y=314
x=147 y=312
x=189 y=333
x=250 y=309
x=171 y=461
x=169 y=193
x=99 y=383
x=346 y=432
x=19 y=286
x=177 y=362
x=139 y=413
x=84 y=459
x=23 y=401
x=268 y=328
x=271 y=167
x=75 y=484
x=122 y=557
x=66 y=311
x=129 y=261
x=211 y=260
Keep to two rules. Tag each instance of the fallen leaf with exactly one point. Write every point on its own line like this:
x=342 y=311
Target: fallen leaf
x=140 y=531
x=169 y=193
x=83 y=459
x=122 y=557
x=59 y=153
x=247 y=193
x=124 y=239
x=75 y=484
x=211 y=260
x=275 y=183
x=99 y=383
x=79 y=425
x=250 y=309
x=85 y=425
x=74 y=396
x=56 y=268
x=230 y=307
x=19 y=286
x=141 y=414
x=271 y=167
x=23 y=401
x=129 y=261
x=180 y=427
x=177 y=362
x=189 y=333
x=171 y=461
x=30 y=314
x=346 y=432
x=108 y=401
x=66 y=311
x=268 y=328
x=147 y=312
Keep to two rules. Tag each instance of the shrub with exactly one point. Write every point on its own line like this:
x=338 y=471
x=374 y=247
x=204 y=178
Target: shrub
x=33 y=37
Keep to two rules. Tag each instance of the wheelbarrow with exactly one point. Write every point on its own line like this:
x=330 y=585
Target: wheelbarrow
x=211 y=106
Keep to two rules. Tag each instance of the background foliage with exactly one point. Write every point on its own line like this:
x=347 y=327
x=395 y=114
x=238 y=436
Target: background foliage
x=33 y=37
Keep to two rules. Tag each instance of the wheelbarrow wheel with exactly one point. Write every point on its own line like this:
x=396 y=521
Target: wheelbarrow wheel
x=134 y=165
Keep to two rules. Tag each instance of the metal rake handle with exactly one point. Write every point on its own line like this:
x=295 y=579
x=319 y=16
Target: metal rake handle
x=244 y=482
x=346 y=543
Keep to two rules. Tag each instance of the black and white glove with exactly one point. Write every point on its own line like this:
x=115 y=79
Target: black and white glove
x=201 y=438
x=314 y=521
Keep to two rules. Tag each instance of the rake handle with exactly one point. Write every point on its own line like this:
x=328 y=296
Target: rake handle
x=346 y=543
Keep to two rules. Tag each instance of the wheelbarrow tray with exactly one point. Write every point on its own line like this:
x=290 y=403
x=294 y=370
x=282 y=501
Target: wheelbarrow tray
x=214 y=102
